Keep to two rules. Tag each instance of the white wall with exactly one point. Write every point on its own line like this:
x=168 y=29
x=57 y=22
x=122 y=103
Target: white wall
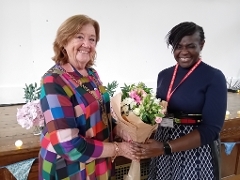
x=132 y=47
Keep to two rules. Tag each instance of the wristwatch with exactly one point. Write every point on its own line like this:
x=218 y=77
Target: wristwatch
x=167 y=148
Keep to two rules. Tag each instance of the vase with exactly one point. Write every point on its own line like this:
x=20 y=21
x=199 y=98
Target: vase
x=37 y=130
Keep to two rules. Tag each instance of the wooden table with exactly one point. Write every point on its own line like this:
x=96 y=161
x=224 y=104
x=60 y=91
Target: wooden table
x=231 y=133
x=10 y=131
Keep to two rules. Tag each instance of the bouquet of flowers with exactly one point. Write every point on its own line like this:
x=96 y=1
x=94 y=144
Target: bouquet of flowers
x=30 y=115
x=141 y=101
x=138 y=113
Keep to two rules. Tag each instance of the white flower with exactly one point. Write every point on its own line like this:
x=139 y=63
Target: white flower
x=125 y=108
x=136 y=111
x=33 y=112
x=133 y=103
x=152 y=97
x=123 y=102
x=129 y=100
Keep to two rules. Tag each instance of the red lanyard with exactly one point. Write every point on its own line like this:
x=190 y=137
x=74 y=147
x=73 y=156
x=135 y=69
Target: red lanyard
x=170 y=92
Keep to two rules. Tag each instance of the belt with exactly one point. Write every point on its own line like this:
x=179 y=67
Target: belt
x=186 y=121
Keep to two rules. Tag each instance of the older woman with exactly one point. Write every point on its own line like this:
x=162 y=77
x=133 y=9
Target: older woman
x=76 y=142
x=186 y=144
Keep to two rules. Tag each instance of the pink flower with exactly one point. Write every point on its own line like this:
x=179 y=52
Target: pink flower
x=158 y=120
x=135 y=96
x=30 y=115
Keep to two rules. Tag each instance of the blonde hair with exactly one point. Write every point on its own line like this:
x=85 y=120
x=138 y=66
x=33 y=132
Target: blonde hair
x=68 y=29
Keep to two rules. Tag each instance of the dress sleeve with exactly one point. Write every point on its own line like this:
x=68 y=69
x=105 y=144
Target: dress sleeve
x=214 y=109
x=61 y=123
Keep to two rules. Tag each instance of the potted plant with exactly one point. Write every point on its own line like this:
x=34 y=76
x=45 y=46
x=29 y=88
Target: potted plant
x=30 y=115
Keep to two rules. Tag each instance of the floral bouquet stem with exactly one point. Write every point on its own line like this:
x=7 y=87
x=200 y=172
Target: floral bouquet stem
x=134 y=172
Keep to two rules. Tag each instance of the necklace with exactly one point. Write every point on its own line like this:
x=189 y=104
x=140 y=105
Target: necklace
x=100 y=99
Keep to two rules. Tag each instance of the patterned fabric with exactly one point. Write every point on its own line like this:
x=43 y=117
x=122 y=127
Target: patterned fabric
x=20 y=170
x=71 y=142
x=194 y=164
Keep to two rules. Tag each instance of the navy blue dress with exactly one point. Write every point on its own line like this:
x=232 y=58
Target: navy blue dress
x=203 y=92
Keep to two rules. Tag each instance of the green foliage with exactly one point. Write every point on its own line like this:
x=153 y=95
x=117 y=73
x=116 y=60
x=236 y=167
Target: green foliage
x=111 y=88
x=150 y=109
x=141 y=100
x=125 y=90
x=31 y=92
x=143 y=86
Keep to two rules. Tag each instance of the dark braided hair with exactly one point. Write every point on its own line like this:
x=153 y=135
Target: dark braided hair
x=176 y=34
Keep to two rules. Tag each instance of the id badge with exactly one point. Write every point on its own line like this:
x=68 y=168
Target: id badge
x=167 y=122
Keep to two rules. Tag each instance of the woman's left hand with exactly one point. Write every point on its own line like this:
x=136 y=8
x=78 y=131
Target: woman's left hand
x=151 y=148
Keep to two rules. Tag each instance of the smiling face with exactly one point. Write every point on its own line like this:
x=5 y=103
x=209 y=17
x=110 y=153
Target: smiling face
x=188 y=50
x=81 y=48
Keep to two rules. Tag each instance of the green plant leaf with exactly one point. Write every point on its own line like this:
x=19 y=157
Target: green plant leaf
x=31 y=92
x=125 y=90
x=111 y=88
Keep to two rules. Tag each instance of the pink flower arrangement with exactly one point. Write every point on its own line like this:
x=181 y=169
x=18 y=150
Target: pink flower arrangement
x=30 y=115
x=138 y=113
x=140 y=99
x=137 y=95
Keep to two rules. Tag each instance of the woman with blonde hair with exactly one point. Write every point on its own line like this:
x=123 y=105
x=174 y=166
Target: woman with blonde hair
x=76 y=143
